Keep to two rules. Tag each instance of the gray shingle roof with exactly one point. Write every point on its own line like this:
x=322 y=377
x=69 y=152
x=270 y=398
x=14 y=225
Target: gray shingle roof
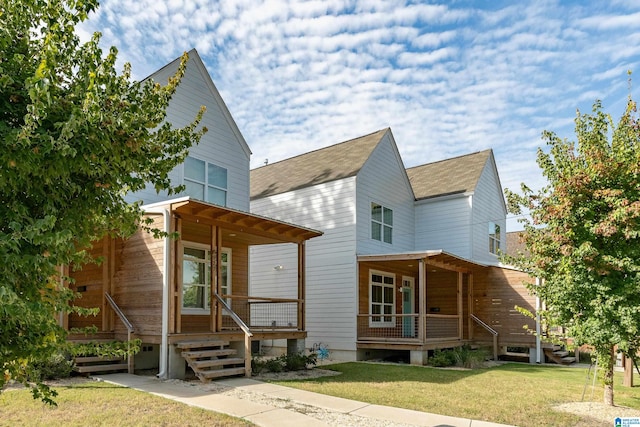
x=450 y=176
x=338 y=161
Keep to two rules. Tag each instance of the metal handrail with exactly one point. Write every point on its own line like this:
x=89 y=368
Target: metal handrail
x=492 y=331
x=484 y=325
x=129 y=327
x=119 y=312
x=234 y=316
x=245 y=329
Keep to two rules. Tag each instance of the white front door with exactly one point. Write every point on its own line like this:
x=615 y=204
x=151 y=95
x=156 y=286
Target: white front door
x=408 y=307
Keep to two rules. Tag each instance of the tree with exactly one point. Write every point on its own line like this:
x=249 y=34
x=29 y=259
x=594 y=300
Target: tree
x=583 y=235
x=76 y=138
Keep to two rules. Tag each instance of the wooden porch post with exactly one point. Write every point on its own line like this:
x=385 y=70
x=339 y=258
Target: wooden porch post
x=422 y=301
x=173 y=277
x=460 y=317
x=104 y=310
x=301 y=286
x=179 y=284
x=215 y=316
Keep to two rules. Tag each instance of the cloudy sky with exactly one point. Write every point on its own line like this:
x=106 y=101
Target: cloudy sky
x=449 y=78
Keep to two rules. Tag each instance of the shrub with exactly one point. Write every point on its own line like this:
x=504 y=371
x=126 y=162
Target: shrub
x=55 y=367
x=286 y=362
x=441 y=358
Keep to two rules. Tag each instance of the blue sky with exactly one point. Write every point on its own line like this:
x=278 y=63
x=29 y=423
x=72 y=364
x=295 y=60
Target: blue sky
x=449 y=78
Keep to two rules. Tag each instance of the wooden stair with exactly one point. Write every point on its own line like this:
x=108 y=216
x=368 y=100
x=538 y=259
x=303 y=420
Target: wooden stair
x=211 y=359
x=558 y=355
x=93 y=364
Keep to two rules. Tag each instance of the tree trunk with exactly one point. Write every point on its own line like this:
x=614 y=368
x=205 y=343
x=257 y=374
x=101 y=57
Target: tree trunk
x=608 y=377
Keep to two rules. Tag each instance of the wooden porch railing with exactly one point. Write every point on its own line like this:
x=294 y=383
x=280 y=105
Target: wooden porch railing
x=128 y=325
x=247 y=334
x=491 y=331
x=404 y=327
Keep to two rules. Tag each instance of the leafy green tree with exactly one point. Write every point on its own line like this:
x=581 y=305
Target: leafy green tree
x=583 y=235
x=76 y=137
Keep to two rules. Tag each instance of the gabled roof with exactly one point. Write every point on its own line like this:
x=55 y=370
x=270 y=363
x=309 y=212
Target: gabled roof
x=451 y=176
x=338 y=161
x=196 y=61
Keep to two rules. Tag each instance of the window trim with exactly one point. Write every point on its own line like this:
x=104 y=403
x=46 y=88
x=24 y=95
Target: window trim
x=206 y=183
x=382 y=323
x=494 y=238
x=381 y=223
x=207 y=286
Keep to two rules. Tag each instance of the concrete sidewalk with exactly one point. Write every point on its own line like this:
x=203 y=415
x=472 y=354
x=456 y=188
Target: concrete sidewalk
x=272 y=416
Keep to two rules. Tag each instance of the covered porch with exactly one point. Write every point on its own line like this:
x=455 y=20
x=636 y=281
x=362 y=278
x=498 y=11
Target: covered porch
x=189 y=289
x=417 y=301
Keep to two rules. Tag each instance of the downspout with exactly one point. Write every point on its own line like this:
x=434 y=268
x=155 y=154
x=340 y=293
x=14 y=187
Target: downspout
x=538 y=327
x=164 y=343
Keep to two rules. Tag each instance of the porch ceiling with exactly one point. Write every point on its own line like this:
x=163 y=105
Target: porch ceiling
x=435 y=259
x=253 y=229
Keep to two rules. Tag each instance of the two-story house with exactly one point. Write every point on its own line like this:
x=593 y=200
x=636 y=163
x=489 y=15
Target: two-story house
x=408 y=260
x=187 y=298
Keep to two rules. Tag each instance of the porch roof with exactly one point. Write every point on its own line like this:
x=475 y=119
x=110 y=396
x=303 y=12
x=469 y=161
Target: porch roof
x=436 y=258
x=254 y=229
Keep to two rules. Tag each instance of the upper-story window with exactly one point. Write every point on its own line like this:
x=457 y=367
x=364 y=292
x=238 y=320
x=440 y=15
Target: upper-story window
x=381 y=223
x=205 y=181
x=494 y=238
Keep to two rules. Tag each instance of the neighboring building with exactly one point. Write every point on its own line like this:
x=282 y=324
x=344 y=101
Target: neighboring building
x=408 y=260
x=187 y=298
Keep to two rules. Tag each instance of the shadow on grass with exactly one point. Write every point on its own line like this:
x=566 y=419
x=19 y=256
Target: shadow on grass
x=387 y=373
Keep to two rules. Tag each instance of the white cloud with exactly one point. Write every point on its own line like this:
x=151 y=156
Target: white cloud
x=449 y=78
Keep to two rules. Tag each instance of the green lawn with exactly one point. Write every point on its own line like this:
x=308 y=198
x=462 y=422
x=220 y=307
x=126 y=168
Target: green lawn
x=103 y=404
x=512 y=393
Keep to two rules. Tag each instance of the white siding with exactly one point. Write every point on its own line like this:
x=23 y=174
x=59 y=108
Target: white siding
x=488 y=205
x=331 y=261
x=444 y=223
x=222 y=144
x=383 y=180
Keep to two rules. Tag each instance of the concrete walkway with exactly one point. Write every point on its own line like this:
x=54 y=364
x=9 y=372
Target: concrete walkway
x=271 y=416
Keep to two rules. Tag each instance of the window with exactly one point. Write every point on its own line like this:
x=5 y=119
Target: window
x=494 y=238
x=382 y=295
x=196 y=277
x=381 y=223
x=205 y=181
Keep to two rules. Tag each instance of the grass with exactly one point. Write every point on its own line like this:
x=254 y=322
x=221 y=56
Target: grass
x=516 y=394
x=102 y=404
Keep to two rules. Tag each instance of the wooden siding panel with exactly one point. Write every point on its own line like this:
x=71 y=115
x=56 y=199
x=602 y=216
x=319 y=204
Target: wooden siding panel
x=138 y=281
x=220 y=145
x=383 y=180
x=488 y=206
x=330 y=263
x=89 y=283
x=496 y=293
x=444 y=224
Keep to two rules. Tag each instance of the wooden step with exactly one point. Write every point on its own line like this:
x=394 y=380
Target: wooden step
x=218 y=373
x=209 y=353
x=207 y=363
x=101 y=368
x=561 y=353
x=93 y=359
x=202 y=344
